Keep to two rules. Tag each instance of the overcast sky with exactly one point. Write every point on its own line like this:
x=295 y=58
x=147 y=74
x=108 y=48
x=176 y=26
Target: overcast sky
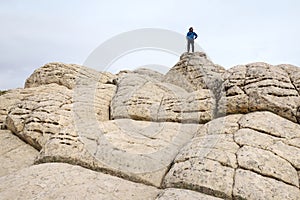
x=35 y=32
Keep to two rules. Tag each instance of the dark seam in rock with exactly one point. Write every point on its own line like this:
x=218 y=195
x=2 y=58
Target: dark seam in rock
x=267 y=176
x=262 y=131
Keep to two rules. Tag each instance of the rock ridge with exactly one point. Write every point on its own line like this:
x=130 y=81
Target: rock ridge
x=197 y=132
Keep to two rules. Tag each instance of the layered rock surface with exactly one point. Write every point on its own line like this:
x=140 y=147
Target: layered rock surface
x=141 y=97
x=198 y=132
x=64 y=181
x=228 y=148
x=14 y=153
x=260 y=86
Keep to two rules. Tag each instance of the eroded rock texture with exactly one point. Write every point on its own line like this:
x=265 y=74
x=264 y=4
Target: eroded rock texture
x=64 y=181
x=228 y=148
x=198 y=132
x=14 y=153
x=195 y=71
x=261 y=87
x=141 y=97
x=8 y=101
x=68 y=75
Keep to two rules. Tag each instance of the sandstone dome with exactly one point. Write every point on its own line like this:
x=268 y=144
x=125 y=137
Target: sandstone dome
x=197 y=132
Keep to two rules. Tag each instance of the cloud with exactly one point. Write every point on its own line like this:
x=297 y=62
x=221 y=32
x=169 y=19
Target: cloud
x=232 y=32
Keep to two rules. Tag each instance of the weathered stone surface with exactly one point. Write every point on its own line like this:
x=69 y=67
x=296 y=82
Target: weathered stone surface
x=94 y=99
x=148 y=72
x=222 y=125
x=195 y=71
x=219 y=148
x=140 y=97
x=179 y=194
x=64 y=181
x=288 y=152
x=278 y=146
x=137 y=150
x=251 y=186
x=208 y=163
x=41 y=113
x=145 y=137
x=96 y=87
x=281 y=136
x=14 y=153
x=267 y=163
x=272 y=125
x=47 y=110
x=299 y=176
x=203 y=175
x=250 y=137
x=67 y=75
x=8 y=100
x=144 y=126
x=66 y=127
x=259 y=87
x=294 y=74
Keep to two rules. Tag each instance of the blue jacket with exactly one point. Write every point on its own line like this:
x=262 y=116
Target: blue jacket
x=191 y=35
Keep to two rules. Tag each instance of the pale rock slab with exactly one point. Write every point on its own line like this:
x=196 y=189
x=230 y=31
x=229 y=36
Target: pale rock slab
x=299 y=176
x=251 y=186
x=250 y=137
x=259 y=87
x=234 y=99
x=293 y=142
x=195 y=71
x=41 y=113
x=14 y=153
x=221 y=125
x=279 y=146
x=45 y=111
x=290 y=153
x=141 y=150
x=273 y=133
x=267 y=163
x=271 y=124
x=93 y=99
x=219 y=148
x=294 y=74
x=229 y=143
x=64 y=181
x=8 y=100
x=202 y=175
x=140 y=97
x=88 y=85
x=214 y=140
x=68 y=75
x=179 y=194
x=66 y=127
x=80 y=116
x=148 y=72
x=145 y=137
x=207 y=163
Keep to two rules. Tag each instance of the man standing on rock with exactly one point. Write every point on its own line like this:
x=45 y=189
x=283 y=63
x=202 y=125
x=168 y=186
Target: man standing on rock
x=191 y=36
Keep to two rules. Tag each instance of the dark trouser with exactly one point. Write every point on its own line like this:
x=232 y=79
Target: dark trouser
x=189 y=43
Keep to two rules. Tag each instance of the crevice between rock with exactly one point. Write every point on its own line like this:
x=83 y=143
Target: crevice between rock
x=297 y=114
x=201 y=189
x=266 y=176
x=264 y=132
x=78 y=162
x=292 y=82
x=233 y=184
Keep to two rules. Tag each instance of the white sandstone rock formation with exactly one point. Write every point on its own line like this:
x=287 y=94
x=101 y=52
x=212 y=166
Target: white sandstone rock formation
x=198 y=132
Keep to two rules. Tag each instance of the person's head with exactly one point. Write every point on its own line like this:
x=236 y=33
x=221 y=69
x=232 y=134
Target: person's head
x=191 y=29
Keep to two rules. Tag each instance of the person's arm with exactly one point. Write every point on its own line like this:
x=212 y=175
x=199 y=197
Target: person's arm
x=195 y=35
